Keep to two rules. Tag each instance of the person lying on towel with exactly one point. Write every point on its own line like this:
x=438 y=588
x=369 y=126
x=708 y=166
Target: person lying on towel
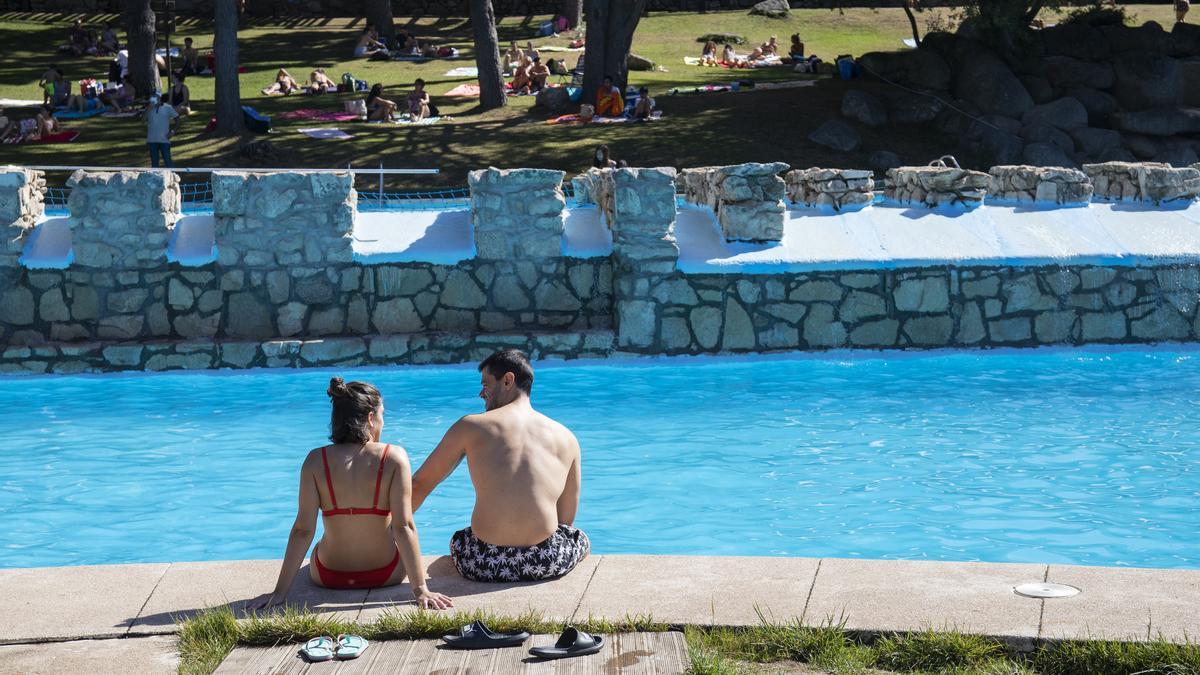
x=526 y=471
x=608 y=100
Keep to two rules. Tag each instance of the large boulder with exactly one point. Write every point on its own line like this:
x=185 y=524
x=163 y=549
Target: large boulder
x=991 y=85
x=1142 y=147
x=837 y=135
x=1185 y=40
x=1191 y=82
x=636 y=62
x=919 y=68
x=1149 y=38
x=1044 y=133
x=1045 y=154
x=1147 y=81
x=1096 y=142
x=773 y=9
x=1065 y=113
x=1064 y=72
x=1161 y=122
x=1098 y=104
x=554 y=99
x=1177 y=155
x=882 y=160
x=915 y=109
x=1039 y=88
x=864 y=107
x=1001 y=147
x=1076 y=40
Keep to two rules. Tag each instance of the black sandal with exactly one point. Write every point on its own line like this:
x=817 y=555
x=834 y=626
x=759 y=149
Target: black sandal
x=572 y=642
x=479 y=636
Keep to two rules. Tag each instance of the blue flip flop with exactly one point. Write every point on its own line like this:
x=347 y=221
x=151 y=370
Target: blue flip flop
x=350 y=646
x=318 y=649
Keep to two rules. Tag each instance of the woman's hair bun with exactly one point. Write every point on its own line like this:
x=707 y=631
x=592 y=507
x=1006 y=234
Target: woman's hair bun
x=337 y=387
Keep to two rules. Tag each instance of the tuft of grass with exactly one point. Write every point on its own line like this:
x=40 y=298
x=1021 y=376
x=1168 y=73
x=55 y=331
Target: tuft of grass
x=205 y=640
x=931 y=650
x=1108 y=657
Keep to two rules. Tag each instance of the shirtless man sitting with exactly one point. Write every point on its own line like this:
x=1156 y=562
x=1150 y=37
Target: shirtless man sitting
x=525 y=469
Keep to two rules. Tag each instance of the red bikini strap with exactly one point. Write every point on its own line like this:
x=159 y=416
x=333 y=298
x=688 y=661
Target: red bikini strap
x=379 y=476
x=328 y=480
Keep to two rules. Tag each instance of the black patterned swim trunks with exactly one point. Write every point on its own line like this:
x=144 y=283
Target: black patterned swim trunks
x=480 y=561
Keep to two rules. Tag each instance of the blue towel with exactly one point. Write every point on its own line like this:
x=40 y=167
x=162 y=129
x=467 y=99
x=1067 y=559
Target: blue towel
x=76 y=115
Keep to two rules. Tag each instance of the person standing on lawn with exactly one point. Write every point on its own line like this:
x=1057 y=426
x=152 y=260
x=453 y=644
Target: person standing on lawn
x=160 y=126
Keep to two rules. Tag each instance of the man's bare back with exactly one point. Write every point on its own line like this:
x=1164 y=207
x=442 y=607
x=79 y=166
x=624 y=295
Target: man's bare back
x=525 y=468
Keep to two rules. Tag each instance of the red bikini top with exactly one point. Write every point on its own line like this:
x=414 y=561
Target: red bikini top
x=374 y=510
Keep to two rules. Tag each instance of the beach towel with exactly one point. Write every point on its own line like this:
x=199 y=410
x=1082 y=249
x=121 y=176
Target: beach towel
x=317 y=115
x=76 y=115
x=768 y=62
x=325 y=133
x=465 y=90
x=420 y=123
x=554 y=48
x=575 y=119
x=19 y=103
x=119 y=113
x=463 y=71
x=415 y=58
x=60 y=137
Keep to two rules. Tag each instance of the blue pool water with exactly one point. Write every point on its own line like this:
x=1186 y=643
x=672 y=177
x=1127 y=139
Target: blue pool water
x=1069 y=456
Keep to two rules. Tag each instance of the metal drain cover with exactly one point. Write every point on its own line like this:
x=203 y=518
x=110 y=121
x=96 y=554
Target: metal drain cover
x=1046 y=589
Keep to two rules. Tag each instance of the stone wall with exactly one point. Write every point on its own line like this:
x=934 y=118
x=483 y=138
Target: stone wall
x=1143 y=181
x=517 y=213
x=831 y=188
x=123 y=219
x=286 y=290
x=284 y=268
x=22 y=197
x=936 y=186
x=272 y=220
x=1052 y=185
x=747 y=198
x=929 y=307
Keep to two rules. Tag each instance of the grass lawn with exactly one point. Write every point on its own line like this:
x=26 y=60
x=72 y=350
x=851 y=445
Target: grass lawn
x=697 y=129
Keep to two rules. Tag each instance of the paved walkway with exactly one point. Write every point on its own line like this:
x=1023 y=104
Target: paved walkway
x=67 y=603
x=641 y=653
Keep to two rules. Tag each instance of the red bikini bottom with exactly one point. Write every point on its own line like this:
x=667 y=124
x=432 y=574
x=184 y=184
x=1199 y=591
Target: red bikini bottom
x=363 y=579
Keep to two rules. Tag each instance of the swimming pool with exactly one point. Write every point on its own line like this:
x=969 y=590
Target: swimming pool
x=1066 y=456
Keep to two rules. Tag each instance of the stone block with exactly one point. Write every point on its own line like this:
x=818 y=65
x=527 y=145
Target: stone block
x=706 y=326
x=928 y=294
x=1101 y=327
x=636 y=323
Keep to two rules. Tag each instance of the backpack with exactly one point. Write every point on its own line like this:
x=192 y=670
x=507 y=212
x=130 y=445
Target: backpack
x=255 y=122
x=361 y=85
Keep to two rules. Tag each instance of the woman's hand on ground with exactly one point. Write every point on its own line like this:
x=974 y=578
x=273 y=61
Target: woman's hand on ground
x=430 y=600
x=264 y=601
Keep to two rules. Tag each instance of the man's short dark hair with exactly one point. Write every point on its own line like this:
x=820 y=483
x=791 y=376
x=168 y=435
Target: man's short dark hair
x=510 y=361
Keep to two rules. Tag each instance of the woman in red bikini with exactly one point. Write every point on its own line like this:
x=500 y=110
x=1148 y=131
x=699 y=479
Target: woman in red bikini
x=363 y=547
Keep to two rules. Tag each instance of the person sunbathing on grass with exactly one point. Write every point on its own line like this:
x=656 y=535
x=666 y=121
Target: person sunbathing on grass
x=379 y=109
x=362 y=547
x=538 y=74
x=9 y=128
x=525 y=468
x=709 y=56
x=512 y=57
x=418 y=101
x=319 y=82
x=644 y=108
x=608 y=100
x=179 y=96
x=46 y=124
x=368 y=45
x=770 y=47
x=121 y=98
x=190 y=57
x=521 y=82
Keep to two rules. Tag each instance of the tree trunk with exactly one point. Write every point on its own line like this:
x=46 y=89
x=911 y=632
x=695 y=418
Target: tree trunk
x=573 y=10
x=487 y=55
x=912 y=22
x=610 y=27
x=139 y=25
x=379 y=12
x=228 y=96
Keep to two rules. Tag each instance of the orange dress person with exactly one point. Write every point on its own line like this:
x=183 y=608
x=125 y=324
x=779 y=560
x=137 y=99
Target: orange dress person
x=608 y=100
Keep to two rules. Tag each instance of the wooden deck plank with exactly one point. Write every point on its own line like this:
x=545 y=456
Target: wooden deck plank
x=624 y=654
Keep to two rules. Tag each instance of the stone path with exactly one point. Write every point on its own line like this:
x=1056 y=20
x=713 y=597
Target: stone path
x=642 y=653
x=113 y=601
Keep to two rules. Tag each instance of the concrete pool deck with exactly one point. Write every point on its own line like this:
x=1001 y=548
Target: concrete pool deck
x=120 y=601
